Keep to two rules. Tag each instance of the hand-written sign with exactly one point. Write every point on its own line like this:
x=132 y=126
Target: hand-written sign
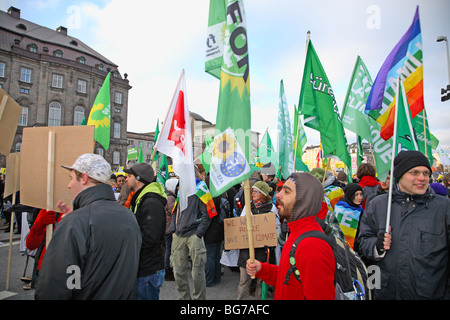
x=264 y=231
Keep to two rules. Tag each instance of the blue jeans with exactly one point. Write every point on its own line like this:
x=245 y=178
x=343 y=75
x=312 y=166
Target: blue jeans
x=147 y=288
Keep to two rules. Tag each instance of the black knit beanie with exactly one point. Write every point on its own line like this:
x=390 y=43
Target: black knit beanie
x=408 y=159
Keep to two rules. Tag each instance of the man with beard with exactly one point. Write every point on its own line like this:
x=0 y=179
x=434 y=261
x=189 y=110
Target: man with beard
x=300 y=201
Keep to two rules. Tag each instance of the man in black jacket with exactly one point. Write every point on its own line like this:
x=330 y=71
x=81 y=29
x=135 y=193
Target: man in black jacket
x=148 y=205
x=94 y=251
x=413 y=258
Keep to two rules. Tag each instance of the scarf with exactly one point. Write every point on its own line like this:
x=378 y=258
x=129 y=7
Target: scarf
x=368 y=181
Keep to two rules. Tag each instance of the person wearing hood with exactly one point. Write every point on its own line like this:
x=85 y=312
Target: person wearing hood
x=300 y=200
x=148 y=205
x=172 y=186
x=348 y=212
x=413 y=257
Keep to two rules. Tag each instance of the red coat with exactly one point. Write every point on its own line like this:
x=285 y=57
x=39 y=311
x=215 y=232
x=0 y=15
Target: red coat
x=315 y=261
x=37 y=234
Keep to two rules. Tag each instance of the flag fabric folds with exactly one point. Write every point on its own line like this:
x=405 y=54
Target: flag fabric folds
x=299 y=141
x=404 y=61
x=365 y=128
x=205 y=196
x=285 y=147
x=232 y=140
x=175 y=141
x=266 y=152
x=318 y=105
x=100 y=115
x=215 y=37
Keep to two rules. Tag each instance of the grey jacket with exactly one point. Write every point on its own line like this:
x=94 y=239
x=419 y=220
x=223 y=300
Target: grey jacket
x=193 y=219
x=417 y=264
x=100 y=241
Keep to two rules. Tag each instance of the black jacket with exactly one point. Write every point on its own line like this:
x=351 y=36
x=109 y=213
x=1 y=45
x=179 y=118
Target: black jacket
x=100 y=241
x=417 y=264
x=151 y=217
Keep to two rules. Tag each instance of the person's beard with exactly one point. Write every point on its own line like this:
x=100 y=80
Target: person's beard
x=284 y=211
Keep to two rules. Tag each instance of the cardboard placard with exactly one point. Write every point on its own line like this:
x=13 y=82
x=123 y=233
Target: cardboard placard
x=264 y=231
x=37 y=184
x=12 y=174
x=9 y=118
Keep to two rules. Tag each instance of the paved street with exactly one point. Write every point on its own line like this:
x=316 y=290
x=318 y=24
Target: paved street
x=226 y=290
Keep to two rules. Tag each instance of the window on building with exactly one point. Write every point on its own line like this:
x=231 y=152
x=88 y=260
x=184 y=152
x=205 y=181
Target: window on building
x=116 y=130
x=25 y=75
x=32 y=48
x=118 y=97
x=82 y=85
x=116 y=157
x=81 y=60
x=100 y=152
x=24 y=90
x=23 y=120
x=54 y=114
x=58 y=53
x=57 y=81
x=2 y=70
x=18 y=146
x=78 y=115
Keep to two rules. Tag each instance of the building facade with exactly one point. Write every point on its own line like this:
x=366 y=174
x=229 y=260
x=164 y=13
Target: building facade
x=55 y=78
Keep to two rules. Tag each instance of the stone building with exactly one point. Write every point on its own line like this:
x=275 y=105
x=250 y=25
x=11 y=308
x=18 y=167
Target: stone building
x=55 y=78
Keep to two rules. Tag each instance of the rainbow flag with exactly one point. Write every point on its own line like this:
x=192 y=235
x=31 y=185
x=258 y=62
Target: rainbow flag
x=205 y=196
x=404 y=61
x=348 y=218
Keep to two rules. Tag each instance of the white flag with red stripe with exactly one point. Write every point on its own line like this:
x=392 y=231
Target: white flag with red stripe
x=175 y=141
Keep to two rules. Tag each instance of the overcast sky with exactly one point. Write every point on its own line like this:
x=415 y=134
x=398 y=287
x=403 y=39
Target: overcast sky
x=152 y=41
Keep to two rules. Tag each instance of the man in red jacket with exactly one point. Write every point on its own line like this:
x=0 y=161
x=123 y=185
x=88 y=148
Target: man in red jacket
x=300 y=201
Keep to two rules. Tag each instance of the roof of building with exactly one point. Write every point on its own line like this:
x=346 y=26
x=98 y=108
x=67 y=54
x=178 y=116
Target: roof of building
x=25 y=28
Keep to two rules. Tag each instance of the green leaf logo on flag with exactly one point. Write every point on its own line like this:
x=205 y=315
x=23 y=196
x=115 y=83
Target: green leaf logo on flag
x=100 y=115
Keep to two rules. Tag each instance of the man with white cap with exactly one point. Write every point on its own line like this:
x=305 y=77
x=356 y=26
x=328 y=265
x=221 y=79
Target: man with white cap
x=94 y=251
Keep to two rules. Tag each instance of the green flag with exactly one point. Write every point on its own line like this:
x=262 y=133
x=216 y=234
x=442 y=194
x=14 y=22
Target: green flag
x=300 y=139
x=285 y=148
x=405 y=138
x=365 y=127
x=266 y=152
x=100 y=115
x=140 y=157
x=232 y=139
x=205 y=157
x=215 y=37
x=319 y=108
x=155 y=157
x=424 y=137
x=163 y=171
x=132 y=154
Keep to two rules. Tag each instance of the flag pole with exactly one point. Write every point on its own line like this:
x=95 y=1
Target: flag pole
x=248 y=214
x=425 y=132
x=394 y=142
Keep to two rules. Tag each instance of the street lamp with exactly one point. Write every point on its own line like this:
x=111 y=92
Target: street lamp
x=445 y=93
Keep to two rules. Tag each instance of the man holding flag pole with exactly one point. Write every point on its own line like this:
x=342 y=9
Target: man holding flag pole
x=407 y=231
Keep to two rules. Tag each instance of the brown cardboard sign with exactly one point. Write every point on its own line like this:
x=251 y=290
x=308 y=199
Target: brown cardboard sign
x=12 y=174
x=43 y=182
x=9 y=118
x=264 y=231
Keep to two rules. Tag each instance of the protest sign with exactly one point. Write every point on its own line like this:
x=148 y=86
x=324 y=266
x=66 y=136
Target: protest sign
x=263 y=229
x=9 y=118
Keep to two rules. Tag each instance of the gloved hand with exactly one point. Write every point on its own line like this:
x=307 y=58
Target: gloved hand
x=44 y=218
x=383 y=242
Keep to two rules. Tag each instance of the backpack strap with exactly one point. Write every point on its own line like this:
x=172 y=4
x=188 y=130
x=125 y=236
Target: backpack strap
x=293 y=268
